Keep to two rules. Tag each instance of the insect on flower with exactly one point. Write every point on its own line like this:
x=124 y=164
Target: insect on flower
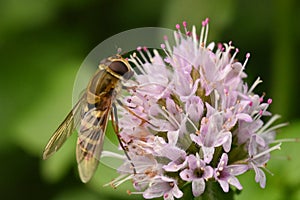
x=90 y=116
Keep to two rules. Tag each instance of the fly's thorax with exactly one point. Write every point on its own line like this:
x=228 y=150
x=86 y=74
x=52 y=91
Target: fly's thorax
x=102 y=84
x=107 y=81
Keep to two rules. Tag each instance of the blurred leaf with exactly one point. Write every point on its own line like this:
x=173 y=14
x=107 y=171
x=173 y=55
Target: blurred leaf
x=251 y=189
x=36 y=126
x=78 y=194
x=59 y=164
x=284 y=55
x=287 y=163
x=18 y=16
x=15 y=15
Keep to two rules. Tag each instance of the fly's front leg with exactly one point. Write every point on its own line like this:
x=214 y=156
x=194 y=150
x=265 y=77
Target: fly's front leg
x=133 y=113
x=114 y=120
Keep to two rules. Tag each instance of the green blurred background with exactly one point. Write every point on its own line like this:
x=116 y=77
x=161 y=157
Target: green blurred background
x=43 y=43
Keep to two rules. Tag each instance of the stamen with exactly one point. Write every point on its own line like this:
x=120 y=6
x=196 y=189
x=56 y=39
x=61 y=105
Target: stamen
x=112 y=155
x=135 y=192
x=178 y=30
x=219 y=51
x=233 y=56
x=258 y=81
x=184 y=26
x=119 y=180
x=269 y=101
x=168 y=47
x=220 y=46
x=258 y=114
x=123 y=180
x=163 y=46
x=206 y=31
x=194 y=36
x=137 y=62
x=271 y=121
x=142 y=54
x=176 y=37
x=246 y=61
x=201 y=41
x=119 y=50
x=275 y=127
x=276 y=147
x=148 y=53
x=285 y=140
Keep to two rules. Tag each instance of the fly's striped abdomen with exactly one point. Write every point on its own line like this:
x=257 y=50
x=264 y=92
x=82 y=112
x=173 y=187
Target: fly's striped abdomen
x=94 y=121
x=95 y=117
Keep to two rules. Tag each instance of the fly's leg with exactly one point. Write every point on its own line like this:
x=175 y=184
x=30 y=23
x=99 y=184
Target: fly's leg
x=114 y=120
x=132 y=113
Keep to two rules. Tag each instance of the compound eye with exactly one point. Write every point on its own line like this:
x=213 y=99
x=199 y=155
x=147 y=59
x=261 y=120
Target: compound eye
x=118 y=67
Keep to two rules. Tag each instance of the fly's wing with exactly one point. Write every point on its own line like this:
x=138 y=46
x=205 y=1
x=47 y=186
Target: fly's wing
x=90 y=140
x=64 y=131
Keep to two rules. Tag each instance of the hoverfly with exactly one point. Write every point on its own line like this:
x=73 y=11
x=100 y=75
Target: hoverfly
x=90 y=116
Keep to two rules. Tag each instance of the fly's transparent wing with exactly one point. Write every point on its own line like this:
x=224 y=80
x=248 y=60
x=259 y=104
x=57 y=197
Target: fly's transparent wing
x=66 y=129
x=90 y=140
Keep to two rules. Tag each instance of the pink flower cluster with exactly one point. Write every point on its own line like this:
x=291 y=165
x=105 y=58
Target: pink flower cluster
x=195 y=119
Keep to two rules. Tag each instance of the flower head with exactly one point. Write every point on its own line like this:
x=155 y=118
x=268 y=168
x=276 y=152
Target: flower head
x=195 y=120
x=226 y=175
x=196 y=172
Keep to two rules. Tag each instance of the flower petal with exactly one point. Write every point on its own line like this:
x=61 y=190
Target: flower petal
x=208 y=153
x=260 y=176
x=235 y=182
x=224 y=139
x=177 y=192
x=186 y=175
x=245 y=117
x=237 y=169
x=224 y=185
x=198 y=187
